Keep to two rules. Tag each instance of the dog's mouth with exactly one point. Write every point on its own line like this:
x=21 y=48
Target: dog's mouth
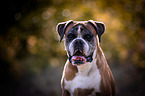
x=79 y=58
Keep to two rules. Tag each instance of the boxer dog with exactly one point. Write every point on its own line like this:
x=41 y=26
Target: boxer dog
x=86 y=72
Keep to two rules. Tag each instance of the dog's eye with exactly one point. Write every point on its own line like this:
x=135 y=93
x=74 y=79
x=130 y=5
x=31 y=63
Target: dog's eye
x=88 y=37
x=71 y=36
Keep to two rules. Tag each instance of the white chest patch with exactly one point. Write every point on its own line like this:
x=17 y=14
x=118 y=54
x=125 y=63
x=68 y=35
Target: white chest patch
x=88 y=77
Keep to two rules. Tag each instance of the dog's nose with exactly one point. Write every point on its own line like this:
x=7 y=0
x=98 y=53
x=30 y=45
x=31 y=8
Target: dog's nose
x=78 y=46
x=78 y=42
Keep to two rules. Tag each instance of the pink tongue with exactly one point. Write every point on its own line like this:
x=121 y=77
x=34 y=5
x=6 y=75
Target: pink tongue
x=82 y=58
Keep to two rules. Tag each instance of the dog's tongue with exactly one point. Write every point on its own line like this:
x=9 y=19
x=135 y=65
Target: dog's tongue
x=78 y=60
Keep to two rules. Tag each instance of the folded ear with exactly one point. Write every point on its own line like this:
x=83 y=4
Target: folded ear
x=99 y=27
x=61 y=28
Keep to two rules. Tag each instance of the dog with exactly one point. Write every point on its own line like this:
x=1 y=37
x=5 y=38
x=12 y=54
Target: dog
x=86 y=72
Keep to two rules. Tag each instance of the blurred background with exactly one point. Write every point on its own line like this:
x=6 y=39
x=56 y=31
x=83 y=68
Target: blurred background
x=32 y=59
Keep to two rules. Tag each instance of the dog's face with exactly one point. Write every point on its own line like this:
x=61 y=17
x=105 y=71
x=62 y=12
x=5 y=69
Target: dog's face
x=80 y=39
x=80 y=44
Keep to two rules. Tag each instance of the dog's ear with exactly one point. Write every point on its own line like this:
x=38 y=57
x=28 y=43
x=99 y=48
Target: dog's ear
x=99 y=27
x=61 y=28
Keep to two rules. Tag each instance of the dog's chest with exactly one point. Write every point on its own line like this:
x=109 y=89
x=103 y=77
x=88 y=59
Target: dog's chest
x=86 y=78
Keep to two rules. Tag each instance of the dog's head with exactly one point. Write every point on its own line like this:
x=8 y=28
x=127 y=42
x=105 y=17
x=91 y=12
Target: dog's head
x=80 y=39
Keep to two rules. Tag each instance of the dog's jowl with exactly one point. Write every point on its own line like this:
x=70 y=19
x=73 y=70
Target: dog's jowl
x=86 y=72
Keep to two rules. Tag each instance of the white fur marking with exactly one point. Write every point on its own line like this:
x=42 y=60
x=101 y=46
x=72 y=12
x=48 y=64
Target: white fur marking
x=88 y=76
x=79 y=31
x=71 y=48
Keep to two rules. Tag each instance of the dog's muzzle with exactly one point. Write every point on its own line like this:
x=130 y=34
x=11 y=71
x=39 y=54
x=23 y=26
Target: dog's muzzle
x=79 y=57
